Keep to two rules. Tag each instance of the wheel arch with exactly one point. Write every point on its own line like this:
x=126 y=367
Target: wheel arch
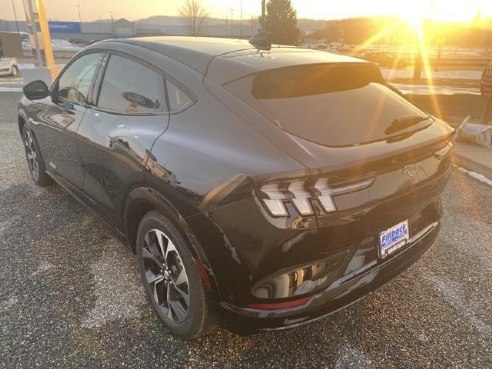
x=21 y=121
x=142 y=200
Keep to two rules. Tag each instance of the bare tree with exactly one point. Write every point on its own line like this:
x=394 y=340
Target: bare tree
x=194 y=14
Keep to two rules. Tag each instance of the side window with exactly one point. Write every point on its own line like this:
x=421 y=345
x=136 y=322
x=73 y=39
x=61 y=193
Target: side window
x=177 y=98
x=75 y=81
x=129 y=87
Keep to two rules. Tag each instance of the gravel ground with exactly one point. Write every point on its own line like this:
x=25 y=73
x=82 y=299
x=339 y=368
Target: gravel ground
x=70 y=296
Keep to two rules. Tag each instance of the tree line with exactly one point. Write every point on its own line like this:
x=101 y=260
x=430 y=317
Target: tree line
x=281 y=21
x=394 y=31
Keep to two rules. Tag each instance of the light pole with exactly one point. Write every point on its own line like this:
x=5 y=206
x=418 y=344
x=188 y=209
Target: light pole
x=80 y=21
x=15 y=17
x=241 y=22
x=263 y=11
x=112 y=25
x=232 y=21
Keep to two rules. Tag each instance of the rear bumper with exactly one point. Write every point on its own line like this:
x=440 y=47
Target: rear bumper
x=331 y=259
x=338 y=295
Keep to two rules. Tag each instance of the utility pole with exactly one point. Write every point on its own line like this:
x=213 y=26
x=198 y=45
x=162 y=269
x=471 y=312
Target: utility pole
x=241 y=22
x=80 y=21
x=15 y=17
x=263 y=17
x=112 y=25
x=232 y=21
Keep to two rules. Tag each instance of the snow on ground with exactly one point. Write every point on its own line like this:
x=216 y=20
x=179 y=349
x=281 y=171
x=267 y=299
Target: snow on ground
x=477 y=176
x=33 y=66
x=26 y=66
x=435 y=90
x=10 y=89
x=447 y=74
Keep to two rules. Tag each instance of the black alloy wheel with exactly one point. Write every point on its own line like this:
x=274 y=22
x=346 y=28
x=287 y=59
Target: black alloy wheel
x=34 y=159
x=171 y=280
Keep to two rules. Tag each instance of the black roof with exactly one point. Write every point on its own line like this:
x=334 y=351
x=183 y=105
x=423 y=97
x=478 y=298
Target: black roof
x=232 y=58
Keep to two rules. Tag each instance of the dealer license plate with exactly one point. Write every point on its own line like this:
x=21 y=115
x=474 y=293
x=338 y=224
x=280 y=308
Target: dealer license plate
x=393 y=239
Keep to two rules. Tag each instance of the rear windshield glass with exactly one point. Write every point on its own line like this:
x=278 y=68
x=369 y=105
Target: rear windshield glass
x=336 y=104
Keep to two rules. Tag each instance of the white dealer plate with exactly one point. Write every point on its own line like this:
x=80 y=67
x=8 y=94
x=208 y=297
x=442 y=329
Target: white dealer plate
x=393 y=239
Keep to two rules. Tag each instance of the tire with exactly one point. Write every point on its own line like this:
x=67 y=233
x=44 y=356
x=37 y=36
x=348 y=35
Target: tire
x=14 y=71
x=34 y=159
x=171 y=279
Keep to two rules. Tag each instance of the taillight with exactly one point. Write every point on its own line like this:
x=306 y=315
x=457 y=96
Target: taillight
x=280 y=305
x=276 y=196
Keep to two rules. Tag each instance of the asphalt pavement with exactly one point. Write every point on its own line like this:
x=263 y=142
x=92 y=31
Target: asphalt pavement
x=70 y=296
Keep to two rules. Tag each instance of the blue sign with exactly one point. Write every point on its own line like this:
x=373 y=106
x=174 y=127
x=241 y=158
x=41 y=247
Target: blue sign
x=64 y=27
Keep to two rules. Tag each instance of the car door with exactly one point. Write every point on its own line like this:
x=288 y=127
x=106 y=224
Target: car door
x=56 y=119
x=117 y=134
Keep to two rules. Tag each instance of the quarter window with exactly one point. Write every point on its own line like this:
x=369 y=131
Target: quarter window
x=129 y=87
x=177 y=98
x=75 y=81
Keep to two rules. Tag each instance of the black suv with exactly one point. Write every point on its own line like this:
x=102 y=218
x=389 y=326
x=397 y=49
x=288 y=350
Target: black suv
x=274 y=187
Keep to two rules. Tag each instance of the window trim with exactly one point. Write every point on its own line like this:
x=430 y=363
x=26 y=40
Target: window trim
x=97 y=89
x=54 y=87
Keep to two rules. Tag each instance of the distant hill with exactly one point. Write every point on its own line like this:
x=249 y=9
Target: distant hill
x=307 y=25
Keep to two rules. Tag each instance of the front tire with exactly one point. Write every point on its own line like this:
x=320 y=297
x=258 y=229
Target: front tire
x=171 y=280
x=14 y=71
x=34 y=159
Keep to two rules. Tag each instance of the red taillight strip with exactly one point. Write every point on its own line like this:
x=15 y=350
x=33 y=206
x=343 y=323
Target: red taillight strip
x=280 y=305
x=204 y=275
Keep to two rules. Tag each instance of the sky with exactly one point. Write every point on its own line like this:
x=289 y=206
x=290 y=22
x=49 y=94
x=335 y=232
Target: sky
x=67 y=10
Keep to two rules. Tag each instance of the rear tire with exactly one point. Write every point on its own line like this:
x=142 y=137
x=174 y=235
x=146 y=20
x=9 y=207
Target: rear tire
x=170 y=276
x=35 y=161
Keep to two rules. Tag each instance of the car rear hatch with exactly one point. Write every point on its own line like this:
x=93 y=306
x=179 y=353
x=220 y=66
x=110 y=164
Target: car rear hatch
x=363 y=142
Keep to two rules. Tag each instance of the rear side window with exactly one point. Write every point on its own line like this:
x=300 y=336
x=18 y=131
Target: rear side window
x=336 y=104
x=178 y=100
x=75 y=81
x=129 y=87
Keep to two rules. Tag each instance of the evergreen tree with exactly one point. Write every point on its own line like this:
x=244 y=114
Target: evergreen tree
x=281 y=22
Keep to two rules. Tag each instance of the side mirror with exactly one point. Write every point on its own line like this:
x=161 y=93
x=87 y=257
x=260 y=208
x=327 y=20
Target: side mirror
x=36 y=90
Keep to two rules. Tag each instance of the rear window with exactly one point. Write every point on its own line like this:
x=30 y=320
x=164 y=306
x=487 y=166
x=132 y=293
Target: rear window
x=336 y=104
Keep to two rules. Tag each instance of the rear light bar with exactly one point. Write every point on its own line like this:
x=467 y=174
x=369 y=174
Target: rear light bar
x=275 y=195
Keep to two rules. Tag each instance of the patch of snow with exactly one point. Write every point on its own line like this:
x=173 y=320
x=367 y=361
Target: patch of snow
x=349 y=356
x=447 y=74
x=477 y=176
x=26 y=66
x=455 y=295
x=43 y=267
x=10 y=89
x=8 y=304
x=435 y=90
x=4 y=226
x=64 y=45
x=119 y=292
